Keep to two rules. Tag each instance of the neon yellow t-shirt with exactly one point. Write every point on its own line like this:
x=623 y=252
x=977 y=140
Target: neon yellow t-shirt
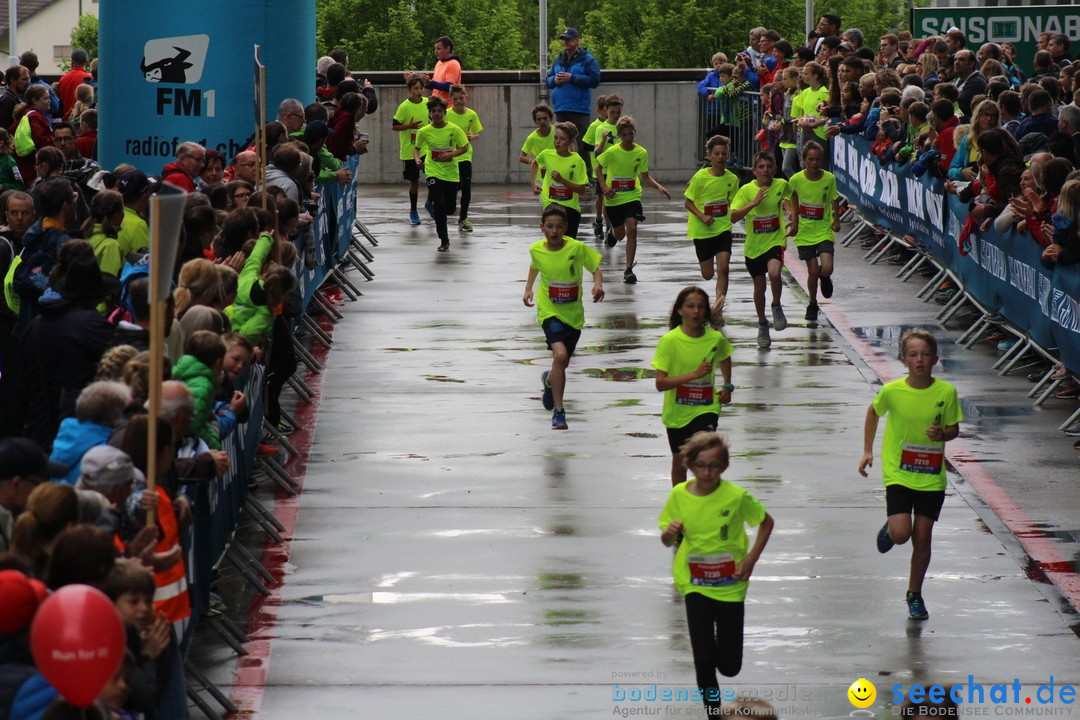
x=712 y=194
x=134 y=233
x=468 y=121
x=815 y=207
x=908 y=457
x=590 y=132
x=808 y=102
x=406 y=113
x=435 y=144
x=679 y=354
x=714 y=538
x=605 y=132
x=571 y=167
x=536 y=143
x=560 y=279
x=766 y=226
x=622 y=170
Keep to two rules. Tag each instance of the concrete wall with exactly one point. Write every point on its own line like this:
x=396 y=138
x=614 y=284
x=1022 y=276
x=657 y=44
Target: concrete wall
x=666 y=114
x=50 y=26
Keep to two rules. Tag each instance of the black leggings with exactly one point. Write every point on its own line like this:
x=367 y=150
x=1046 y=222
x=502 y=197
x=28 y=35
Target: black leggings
x=716 y=637
x=443 y=195
x=573 y=220
x=465 y=183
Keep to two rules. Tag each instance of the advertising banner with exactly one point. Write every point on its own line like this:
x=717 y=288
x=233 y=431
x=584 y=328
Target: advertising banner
x=172 y=73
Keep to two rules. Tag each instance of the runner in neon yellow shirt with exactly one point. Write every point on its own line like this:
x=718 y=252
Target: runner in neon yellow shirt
x=565 y=176
x=559 y=261
x=765 y=203
x=706 y=518
x=686 y=361
x=589 y=145
x=542 y=138
x=923 y=414
x=620 y=170
x=438 y=145
x=817 y=218
x=466 y=119
x=410 y=116
x=708 y=223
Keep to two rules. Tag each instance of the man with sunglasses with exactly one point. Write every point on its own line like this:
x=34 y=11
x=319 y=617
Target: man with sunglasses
x=190 y=159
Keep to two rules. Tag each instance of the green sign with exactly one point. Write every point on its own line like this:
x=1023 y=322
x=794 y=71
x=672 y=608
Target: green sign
x=1020 y=26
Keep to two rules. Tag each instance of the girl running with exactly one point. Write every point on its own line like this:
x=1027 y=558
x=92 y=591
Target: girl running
x=686 y=360
x=707 y=518
x=816 y=221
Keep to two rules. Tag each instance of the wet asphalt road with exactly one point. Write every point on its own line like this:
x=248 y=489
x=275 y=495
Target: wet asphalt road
x=456 y=558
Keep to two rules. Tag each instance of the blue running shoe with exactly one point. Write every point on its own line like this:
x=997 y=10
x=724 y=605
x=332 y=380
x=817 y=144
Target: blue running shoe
x=549 y=398
x=558 y=419
x=884 y=540
x=916 y=607
x=414 y=217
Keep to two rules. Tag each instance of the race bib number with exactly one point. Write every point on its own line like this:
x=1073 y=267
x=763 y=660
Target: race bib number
x=716 y=209
x=561 y=293
x=764 y=224
x=559 y=192
x=712 y=570
x=922 y=459
x=441 y=154
x=693 y=394
x=623 y=184
x=809 y=211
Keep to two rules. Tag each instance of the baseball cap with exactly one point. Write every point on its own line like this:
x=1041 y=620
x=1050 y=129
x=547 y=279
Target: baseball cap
x=105 y=467
x=135 y=182
x=569 y=33
x=23 y=456
x=316 y=130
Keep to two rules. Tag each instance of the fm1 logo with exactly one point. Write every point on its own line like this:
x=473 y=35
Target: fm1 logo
x=178 y=61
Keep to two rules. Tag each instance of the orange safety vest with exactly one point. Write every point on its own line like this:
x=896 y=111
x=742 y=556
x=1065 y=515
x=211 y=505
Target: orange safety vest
x=171 y=593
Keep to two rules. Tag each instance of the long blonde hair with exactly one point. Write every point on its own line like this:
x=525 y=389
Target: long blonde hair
x=199 y=284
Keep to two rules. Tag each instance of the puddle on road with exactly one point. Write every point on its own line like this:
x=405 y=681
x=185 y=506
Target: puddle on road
x=625 y=402
x=623 y=374
x=566 y=617
x=641 y=435
x=561 y=581
x=398 y=349
x=442 y=378
x=625 y=321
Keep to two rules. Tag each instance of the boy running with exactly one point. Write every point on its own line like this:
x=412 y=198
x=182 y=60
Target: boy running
x=565 y=178
x=620 y=171
x=559 y=261
x=441 y=143
x=708 y=224
x=542 y=138
x=411 y=115
x=764 y=201
x=924 y=413
x=466 y=119
x=817 y=220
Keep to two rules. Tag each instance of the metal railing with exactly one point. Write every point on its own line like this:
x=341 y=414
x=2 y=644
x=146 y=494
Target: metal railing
x=737 y=118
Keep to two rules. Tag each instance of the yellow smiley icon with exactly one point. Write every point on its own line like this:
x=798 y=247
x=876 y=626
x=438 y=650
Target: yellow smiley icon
x=862 y=693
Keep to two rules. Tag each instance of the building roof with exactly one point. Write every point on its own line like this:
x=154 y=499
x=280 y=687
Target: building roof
x=27 y=8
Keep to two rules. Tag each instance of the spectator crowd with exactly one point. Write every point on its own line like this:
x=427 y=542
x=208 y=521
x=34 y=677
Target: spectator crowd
x=75 y=361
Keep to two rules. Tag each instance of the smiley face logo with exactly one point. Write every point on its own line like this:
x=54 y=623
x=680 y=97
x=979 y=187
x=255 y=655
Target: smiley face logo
x=862 y=693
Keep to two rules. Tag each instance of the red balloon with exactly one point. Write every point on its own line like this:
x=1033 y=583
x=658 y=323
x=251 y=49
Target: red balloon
x=78 y=642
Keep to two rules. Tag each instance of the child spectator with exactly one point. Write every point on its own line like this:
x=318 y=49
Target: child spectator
x=10 y=177
x=86 y=142
x=200 y=368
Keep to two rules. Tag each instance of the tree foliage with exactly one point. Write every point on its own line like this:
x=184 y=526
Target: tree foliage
x=498 y=34
x=85 y=35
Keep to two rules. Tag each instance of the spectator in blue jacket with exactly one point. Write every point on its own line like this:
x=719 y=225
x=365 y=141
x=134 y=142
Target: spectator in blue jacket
x=573 y=75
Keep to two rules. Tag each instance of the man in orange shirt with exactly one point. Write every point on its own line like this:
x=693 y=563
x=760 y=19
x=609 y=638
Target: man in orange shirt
x=447 y=69
x=72 y=79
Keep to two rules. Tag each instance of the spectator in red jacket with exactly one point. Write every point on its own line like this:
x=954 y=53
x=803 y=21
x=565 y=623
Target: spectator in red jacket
x=943 y=118
x=72 y=79
x=190 y=158
x=34 y=109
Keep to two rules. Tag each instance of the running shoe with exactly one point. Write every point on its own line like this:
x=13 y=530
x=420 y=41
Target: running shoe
x=267 y=449
x=1067 y=390
x=598 y=229
x=916 y=606
x=779 y=320
x=549 y=398
x=558 y=419
x=465 y=225
x=285 y=428
x=611 y=240
x=884 y=540
x=444 y=246
x=764 y=342
x=812 y=312
x=826 y=287
x=414 y=217
x=1006 y=345
x=1073 y=430
x=1060 y=371
x=629 y=277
